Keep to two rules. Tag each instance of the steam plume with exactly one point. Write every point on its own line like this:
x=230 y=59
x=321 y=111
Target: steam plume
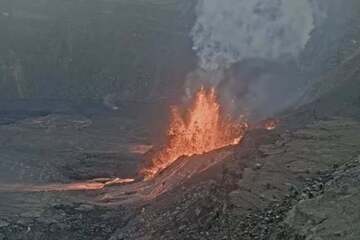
x=229 y=31
x=246 y=50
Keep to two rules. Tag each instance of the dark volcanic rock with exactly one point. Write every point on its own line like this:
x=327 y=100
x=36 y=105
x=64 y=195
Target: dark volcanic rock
x=332 y=214
x=65 y=221
x=245 y=202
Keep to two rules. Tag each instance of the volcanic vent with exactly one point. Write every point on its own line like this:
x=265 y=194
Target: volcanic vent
x=199 y=129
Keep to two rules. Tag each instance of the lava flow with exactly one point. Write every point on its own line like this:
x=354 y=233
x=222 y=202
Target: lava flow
x=200 y=129
x=95 y=184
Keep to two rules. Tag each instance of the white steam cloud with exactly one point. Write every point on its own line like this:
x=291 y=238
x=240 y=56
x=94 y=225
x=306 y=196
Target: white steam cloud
x=228 y=31
x=246 y=50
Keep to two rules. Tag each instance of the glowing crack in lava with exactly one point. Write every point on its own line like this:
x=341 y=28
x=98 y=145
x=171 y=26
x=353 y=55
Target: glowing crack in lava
x=271 y=124
x=197 y=130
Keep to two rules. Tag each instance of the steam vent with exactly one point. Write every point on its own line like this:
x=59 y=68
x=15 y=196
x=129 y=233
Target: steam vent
x=179 y=120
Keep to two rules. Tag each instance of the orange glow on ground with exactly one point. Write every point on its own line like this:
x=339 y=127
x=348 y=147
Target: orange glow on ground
x=96 y=184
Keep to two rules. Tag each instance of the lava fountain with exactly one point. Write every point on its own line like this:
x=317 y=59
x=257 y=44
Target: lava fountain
x=201 y=128
x=198 y=129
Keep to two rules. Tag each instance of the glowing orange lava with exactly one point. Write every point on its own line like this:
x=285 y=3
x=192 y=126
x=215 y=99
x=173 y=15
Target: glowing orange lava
x=271 y=124
x=200 y=129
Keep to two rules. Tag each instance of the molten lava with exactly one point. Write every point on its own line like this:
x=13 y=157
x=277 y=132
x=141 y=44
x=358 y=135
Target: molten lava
x=271 y=124
x=200 y=129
